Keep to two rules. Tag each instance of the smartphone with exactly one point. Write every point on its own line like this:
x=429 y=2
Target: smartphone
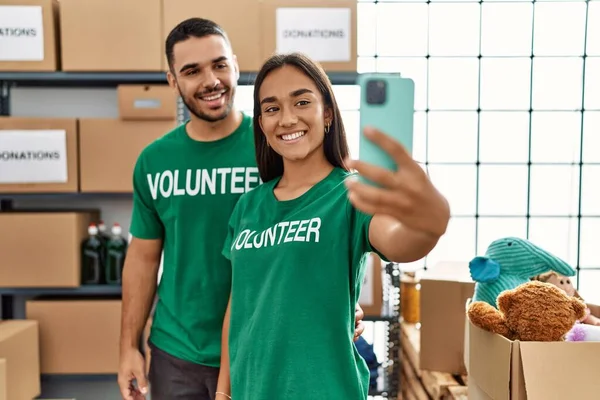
x=387 y=103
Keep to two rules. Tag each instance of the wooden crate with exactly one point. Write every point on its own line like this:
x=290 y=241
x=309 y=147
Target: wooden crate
x=420 y=384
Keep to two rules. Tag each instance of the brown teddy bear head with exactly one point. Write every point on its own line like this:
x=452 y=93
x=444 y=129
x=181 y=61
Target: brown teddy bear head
x=533 y=311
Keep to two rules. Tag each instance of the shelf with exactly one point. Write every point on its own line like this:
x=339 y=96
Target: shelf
x=61 y=196
x=81 y=78
x=78 y=377
x=382 y=318
x=91 y=290
x=107 y=79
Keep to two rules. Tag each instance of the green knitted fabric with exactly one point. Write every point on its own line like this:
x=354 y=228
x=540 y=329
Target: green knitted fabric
x=508 y=263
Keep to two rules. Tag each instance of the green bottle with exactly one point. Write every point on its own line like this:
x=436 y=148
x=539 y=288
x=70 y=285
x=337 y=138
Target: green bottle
x=92 y=257
x=102 y=234
x=116 y=248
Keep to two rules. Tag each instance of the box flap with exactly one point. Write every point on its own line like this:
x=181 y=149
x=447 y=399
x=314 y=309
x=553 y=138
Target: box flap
x=475 y=392
x=443 y=353
x=561 y=370
x=491 y=378
x=10 y=328
x=452 y=271
x=466 y=345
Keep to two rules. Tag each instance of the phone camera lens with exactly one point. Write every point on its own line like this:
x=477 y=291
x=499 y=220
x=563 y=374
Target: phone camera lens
x=376 y=92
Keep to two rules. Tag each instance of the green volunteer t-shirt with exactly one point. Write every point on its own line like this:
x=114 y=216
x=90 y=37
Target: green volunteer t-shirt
x=297 y=267
x=184 y=193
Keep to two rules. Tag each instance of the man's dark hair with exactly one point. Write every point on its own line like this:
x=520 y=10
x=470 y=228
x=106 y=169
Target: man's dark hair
x=335 y=145
x=192 y=27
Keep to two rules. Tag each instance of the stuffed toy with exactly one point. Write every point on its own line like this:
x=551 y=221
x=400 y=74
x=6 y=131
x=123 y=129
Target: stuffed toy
x=533 y=311
x=584 y=333
x=508 y=263
x=564 y=283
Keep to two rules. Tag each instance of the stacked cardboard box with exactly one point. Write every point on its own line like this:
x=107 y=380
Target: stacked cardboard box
x=92 y=348
x=420 y=384
x=87 y=154
x=19 y=360
x=72 y=35
x=444 y=289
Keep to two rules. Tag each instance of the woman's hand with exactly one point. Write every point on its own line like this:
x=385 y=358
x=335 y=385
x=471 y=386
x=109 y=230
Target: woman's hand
x=407 y=194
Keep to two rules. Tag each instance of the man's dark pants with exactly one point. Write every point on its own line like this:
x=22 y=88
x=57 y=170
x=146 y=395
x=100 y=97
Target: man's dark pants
x=174 y=379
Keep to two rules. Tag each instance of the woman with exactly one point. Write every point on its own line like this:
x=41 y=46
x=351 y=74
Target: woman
x=298 y=241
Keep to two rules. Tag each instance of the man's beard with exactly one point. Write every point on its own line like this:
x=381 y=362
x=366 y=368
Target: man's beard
x=200 y=115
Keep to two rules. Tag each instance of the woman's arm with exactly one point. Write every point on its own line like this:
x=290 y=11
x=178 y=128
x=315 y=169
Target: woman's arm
x=409 y=213
x=224 y=382
x=399 y=243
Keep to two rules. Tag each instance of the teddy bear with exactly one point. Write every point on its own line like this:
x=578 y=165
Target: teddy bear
x=508 y=263
x=564 y=283
x=533 y=311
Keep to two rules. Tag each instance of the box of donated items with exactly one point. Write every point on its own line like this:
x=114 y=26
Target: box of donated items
x=532 y=339
x=509 y=368
x=529 y=334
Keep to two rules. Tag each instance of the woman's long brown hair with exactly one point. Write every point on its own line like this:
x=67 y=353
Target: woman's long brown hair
x=335 y=145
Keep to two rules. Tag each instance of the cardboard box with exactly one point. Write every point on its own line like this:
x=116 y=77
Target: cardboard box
x=3 y=380
x=444 y=290
x=323 y=30
x=239 y=18
x=54 y=143
x=42 y=249
x=500 y=369
x=147 y=102
x=33 y=44
x=110 y=35
x=371 y=295
x=91 y=348
x=20 y=353
x=109 y=150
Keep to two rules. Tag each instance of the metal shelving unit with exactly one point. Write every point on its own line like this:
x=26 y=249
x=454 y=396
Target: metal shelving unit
x=390 y=387
x=9 y=80
x=393 y=331
x=389 y=382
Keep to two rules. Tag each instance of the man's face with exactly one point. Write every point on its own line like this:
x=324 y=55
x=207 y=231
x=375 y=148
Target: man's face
x=205 y=73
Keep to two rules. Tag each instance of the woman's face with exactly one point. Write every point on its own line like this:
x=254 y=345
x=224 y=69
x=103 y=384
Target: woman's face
x=293 y=116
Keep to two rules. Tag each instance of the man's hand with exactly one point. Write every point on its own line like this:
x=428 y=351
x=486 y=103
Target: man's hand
x=359 y=325
x=132 y=368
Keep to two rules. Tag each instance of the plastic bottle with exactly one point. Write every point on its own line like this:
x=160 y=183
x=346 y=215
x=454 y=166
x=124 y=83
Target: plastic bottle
x=92 y=258
x=102 y=233
x=116 y=248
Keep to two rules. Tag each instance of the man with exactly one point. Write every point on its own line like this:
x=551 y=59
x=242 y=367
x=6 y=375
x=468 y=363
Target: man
x=185 y=187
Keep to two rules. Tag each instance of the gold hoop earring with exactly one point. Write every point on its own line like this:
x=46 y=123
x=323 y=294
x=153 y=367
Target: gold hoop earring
x=327 y=127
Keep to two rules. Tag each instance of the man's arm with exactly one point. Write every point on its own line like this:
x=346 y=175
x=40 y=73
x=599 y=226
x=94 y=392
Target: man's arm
x=140 y=275
x=146 y=335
